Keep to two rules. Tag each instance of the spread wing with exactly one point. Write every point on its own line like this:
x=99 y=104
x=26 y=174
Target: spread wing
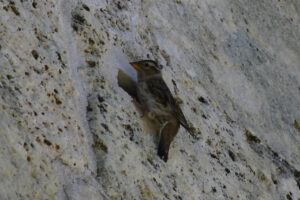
x=160 y=90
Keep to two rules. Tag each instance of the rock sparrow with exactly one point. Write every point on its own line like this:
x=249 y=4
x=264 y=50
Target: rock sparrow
x=156 y=102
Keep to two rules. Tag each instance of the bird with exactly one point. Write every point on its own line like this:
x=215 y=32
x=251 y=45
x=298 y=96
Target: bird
x=156 y=102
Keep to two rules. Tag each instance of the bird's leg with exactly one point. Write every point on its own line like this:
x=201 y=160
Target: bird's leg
x=143 y=110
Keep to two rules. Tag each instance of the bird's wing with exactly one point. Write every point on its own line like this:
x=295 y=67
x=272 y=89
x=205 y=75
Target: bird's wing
x=160 y=90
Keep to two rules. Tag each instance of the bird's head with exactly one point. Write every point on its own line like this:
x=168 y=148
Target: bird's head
x=146 y=68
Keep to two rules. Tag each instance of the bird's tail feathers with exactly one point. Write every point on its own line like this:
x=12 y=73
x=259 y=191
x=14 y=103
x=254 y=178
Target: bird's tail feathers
x=163 y=151
x=168 y=133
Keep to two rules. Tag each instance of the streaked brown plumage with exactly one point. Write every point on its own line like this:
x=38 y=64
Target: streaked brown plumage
x=157 y=102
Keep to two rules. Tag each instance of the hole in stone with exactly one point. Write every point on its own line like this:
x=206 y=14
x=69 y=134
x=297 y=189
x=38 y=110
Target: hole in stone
x=35 y=54
x=86 y=7
x=34 y=4
x=127 y=83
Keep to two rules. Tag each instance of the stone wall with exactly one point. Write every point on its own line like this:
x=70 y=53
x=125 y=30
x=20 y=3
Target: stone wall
x=68 y=131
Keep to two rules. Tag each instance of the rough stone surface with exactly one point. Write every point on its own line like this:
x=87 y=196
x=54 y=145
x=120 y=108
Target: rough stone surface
x=68 y=131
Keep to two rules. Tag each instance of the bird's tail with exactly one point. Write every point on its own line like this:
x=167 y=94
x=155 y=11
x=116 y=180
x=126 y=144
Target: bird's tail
x=163 y=151
x=168 y=133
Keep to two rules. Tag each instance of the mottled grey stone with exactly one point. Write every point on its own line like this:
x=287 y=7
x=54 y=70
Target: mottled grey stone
x=68 y=131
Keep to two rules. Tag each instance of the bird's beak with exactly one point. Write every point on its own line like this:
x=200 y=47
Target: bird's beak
x=136 y=66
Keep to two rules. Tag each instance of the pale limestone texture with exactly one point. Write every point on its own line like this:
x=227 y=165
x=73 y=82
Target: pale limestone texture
x=68 y=131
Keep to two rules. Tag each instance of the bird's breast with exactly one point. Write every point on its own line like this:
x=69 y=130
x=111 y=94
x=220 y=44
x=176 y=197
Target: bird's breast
x=151 y=102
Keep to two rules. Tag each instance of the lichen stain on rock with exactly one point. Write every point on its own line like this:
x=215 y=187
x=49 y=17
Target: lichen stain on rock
x=251 y=137
x=297 y=126
x=99 y=144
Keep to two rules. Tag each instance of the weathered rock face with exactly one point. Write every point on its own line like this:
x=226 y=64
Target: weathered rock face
x=68 y=131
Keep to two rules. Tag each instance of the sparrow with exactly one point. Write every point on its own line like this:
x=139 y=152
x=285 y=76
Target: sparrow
x=155 y=100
